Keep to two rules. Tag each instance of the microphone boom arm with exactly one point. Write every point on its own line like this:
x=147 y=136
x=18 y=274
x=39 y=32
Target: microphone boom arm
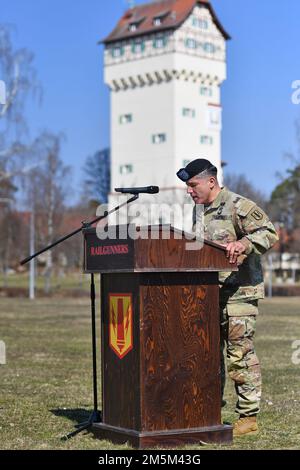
x=84 y=225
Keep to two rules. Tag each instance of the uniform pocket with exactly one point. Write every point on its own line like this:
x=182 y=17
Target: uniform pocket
x=242 y=309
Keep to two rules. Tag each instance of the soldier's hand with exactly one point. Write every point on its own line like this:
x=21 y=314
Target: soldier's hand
x=233 y=250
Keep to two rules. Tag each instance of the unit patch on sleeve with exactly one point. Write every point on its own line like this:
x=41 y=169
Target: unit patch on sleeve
x=257 y=215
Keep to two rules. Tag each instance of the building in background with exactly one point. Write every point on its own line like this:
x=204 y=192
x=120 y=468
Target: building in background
x=165 y=62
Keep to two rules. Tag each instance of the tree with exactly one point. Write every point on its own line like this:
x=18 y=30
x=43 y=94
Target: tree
x=47 y=191
x=96 y=185
x=19 y=75
x=241 y=185
x=285 y=199
x=12 y=239
x=8 y=226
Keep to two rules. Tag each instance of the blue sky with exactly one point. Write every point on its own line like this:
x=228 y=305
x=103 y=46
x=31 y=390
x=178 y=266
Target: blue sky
x=263 y=61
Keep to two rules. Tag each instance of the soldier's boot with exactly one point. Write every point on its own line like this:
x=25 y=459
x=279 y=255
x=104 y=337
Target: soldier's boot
x=246 y=425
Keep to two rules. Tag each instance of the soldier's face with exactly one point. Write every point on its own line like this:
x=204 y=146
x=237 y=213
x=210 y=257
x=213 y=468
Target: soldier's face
x=199 y=189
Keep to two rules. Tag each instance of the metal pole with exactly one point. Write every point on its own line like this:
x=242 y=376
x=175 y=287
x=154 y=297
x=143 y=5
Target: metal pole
x=32 y=262
x=96 y=416
x=94 y=345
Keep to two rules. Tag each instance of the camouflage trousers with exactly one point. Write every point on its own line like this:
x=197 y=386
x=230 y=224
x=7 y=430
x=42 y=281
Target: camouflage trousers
x=238 y=323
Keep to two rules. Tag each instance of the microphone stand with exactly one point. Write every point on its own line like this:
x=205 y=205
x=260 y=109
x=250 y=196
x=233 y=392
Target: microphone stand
x=84 y=225
x=95 y=416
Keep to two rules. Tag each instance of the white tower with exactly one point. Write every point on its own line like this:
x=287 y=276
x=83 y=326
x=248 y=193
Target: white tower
x=164 y=64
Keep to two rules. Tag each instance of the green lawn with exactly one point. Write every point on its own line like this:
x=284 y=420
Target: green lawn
x=46 y=385
x=59 y=284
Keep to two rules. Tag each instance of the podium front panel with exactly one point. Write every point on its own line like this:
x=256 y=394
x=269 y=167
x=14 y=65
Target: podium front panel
x=180 y=351
x=160 y=351
x=120 y=333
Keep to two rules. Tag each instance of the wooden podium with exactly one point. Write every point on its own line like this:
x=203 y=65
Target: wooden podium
x=160 y=345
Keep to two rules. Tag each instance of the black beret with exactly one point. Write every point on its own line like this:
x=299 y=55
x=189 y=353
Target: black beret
x=195 y=168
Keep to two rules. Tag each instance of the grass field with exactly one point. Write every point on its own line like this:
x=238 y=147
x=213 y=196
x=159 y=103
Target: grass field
x=73 y=281
x=46 y=385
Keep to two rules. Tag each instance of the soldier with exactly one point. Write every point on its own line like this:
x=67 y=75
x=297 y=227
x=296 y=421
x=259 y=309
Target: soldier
x=246 y=231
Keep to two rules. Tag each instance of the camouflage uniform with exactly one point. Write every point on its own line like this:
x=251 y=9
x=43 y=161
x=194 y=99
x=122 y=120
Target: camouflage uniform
x=231 y=217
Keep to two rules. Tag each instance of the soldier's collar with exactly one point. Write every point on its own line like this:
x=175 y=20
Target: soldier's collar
x=219 y=201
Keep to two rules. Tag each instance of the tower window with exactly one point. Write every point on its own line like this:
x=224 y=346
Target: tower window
x=191 y=43
x=160 y=42
x=132 y=27
x=135 y=23
x=214 y=117
x=209 y=47
x=117 y=52
x=125 y=118
x=200 y=23
x=126 y=169
x=206 y=91
x=138 y=46
x=160 y=17
x=188 y=112
x=206 y=140
x=159 y=138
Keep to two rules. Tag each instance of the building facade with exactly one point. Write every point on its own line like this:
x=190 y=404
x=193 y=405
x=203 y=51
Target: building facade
x=165 y=62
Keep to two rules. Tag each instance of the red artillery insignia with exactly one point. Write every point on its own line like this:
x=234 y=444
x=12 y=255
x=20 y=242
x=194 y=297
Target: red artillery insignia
x=120 y=324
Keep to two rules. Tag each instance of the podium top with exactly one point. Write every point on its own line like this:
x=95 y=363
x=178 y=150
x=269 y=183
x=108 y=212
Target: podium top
x=161 y=248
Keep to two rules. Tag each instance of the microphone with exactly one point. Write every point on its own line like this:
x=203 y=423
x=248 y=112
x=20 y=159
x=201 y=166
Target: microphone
x=146 y=189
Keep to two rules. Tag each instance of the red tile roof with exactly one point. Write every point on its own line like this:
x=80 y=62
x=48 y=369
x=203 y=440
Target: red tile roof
x=172 y=12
